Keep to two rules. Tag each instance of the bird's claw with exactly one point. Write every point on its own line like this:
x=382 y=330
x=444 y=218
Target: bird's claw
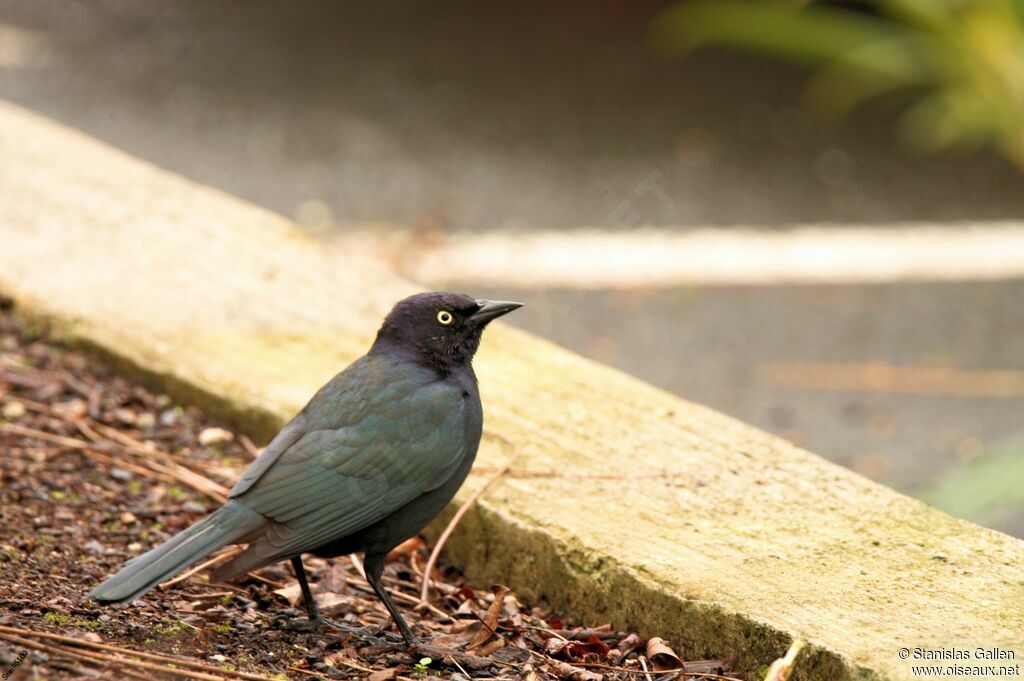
x=368 y=630
x=303 y=626
x=372 y=633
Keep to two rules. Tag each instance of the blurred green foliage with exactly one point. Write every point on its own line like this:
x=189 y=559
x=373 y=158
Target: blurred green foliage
x=963 y=60
x=988 y=490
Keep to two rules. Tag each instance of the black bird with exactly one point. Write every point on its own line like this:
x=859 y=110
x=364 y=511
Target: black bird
x=373 y=457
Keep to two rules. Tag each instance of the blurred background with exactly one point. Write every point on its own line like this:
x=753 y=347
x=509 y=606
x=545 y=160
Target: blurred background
x=799 y=213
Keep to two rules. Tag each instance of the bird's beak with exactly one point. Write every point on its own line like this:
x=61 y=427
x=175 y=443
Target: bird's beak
x=492 y=309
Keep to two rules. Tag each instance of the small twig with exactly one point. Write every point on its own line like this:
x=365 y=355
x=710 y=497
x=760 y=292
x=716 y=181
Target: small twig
x=202 y=566
x=266 y=580
x=31 y=405
x=69 y=442
x=365 y=587
x=134 y=447
x=170 y=472
x=554 y=632
x=351 y=665
x=102 y=458
x=559 y=668
x=428 y=569
x=167 y=464
x=357 y=563
x=79 y=445
x=134 y=675
x=250 y=449
x=455 y=662
x=580 y=634
x=643 y=663
x=16 y=632
x=440 y=652
x=94 y=657
x=50 y=650
x=209 y=596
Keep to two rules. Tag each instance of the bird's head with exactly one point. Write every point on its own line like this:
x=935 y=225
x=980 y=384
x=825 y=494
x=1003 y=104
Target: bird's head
x=439 y=329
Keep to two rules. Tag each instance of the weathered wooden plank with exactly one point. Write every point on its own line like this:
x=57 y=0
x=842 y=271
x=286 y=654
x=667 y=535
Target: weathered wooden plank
x=702 y=529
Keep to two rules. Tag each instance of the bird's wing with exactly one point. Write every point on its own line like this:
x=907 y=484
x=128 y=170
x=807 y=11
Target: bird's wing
x=287 y=436
x=373 y=440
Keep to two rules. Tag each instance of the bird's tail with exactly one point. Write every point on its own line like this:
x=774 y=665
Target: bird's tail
x=227 y=525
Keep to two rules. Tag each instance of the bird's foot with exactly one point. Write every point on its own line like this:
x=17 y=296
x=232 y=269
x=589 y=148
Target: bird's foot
x=368 y=631
x=302 y=625
x=372 y=633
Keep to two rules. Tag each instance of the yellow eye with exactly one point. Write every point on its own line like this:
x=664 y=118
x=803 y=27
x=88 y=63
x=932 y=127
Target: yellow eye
x=445 y=317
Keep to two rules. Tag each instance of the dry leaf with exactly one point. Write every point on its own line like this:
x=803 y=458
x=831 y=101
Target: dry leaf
x=490 y=625
x=334 y=581
x=328 y=601
x=783 y=667
x=382 y=675
x=573 y=650
x=458 y=636
x=292 y=594
x=631 y=642
x=662 y=657
x=495 y=644
x=553 y=646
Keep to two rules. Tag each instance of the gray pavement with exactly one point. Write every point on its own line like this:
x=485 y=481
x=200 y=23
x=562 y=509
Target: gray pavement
x=526 y=114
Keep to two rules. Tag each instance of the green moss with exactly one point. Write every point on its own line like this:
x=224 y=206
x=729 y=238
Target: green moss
x=176 y=494
x=60 y=619
x=83 y=623
x=33 y=330
x=169 y=627
x=223 y=628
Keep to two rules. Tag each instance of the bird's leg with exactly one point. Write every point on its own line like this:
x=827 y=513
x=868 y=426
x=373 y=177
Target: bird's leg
x=315 y=618
x=307 y=593
x=373 y=565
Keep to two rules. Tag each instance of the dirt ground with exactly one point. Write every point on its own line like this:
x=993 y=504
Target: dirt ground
x=95 y=470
